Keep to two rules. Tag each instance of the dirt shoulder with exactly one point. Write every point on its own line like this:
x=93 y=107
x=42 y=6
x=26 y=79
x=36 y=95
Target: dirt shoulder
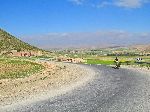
x=54 y=77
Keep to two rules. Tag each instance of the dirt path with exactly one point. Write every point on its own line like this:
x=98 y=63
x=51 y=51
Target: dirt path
x=56 y=79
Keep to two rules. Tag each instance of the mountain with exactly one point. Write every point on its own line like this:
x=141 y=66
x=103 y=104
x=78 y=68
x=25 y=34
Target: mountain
x=9 y=42
x=145 y=48
x=87 y=39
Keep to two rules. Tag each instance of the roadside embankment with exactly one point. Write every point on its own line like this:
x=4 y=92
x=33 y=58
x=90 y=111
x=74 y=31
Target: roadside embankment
x=56 y=79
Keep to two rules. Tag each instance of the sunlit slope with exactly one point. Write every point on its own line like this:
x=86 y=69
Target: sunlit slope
x=9 y=42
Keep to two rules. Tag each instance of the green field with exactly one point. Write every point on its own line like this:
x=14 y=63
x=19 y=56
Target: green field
x=125 y=60
x=17 y=68
x=97 y=61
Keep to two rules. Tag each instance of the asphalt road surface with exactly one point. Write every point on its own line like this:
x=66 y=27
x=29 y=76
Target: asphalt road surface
x=112 y=90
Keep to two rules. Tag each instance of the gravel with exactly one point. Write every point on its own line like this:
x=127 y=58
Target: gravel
x=57 y=79
x=111 y=90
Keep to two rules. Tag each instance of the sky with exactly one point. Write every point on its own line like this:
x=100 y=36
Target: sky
x=52 y=23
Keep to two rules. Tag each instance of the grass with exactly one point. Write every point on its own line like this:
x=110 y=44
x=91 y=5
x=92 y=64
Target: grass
x=16 y=68
x=96 y=61
x=125 y=60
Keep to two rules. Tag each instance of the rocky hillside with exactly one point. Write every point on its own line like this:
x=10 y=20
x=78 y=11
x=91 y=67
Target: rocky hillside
x=9 y=42
x=145 y=48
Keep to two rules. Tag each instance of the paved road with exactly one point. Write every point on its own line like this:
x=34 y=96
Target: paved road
x=112 y=90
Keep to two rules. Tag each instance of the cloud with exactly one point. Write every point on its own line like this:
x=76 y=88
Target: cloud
x=103 y=4
x=130 y=4
x=77 y=2
x=82 y=39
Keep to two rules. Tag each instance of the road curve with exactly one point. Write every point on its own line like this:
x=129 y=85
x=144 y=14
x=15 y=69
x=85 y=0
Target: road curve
x=112 y=90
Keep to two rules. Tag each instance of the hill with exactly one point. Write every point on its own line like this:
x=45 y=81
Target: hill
x=9 y=42
x=142 y=48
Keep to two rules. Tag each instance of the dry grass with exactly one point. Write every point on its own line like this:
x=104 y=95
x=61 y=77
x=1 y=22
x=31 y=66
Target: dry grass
x=10 y=68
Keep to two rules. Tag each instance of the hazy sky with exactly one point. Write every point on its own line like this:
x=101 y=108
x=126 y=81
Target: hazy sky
x=38 y=19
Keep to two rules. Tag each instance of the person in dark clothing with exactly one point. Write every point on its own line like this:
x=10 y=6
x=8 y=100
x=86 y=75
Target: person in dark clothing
x=117 y=63
x=116 y=59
